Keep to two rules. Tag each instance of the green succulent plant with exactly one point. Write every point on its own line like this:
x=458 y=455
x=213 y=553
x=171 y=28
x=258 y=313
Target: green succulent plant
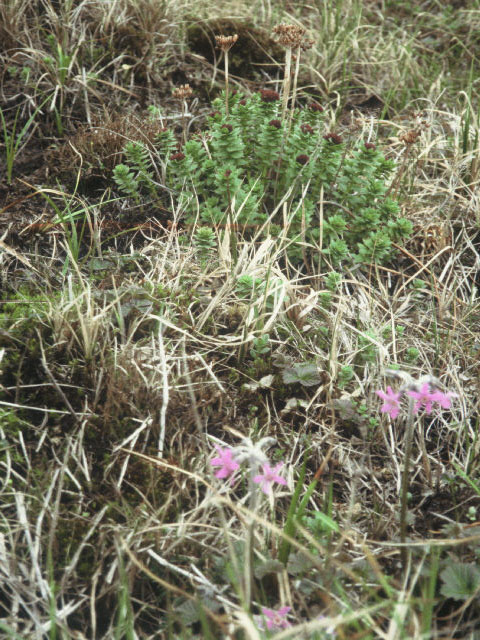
x=239 y=167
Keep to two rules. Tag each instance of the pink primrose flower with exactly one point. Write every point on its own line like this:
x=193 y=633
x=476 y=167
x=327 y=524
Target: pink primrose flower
x=276 y=619
x=424 y=397
x=268 y=477
x=444 y=399
x=228 y=465
x=391 y=402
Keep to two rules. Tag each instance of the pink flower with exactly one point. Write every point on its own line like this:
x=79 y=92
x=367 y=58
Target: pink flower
x=443 y=399
x=391 y=402
x=226 y=462
x=276 y=619
x=269 y=476
x=424 y=397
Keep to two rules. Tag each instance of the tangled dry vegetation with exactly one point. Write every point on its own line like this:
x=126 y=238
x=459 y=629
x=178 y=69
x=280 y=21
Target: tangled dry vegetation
x=134 y=349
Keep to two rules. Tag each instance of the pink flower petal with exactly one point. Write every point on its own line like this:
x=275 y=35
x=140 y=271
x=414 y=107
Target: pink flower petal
x=227 y=463
x=391 y=403
x=268 y=477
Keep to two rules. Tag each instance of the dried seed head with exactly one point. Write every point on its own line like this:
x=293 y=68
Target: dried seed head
x=182 y=92
x=225 y=43
x=314 y=106
x=410 y=137
x=334 y=138
x=306 y=44
x=306 y=128
x=290 y=35
x=275 y=123
x=268 y=95
x=177 y=156
x=302 y=159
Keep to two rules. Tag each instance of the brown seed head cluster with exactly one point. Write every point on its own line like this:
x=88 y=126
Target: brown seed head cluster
x=225 y=43
x=292 y=36
x=228 y=127
x=177 y=156
x=302 y=158
x=314 y=106
x=275 y=123
x=334 y=138
x=182 y=92
x=410 y=137
x=370 y=145
x=306 y=128
x=268 y=95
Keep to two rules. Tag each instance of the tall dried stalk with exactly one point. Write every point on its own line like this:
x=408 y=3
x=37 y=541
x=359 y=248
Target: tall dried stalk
x=225 y=43
x=292 y=37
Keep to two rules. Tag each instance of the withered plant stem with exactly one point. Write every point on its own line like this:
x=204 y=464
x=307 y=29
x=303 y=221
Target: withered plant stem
x=286 y=81
x=295 y=81
x=226 y=83
x=184 y=121
x=225 y=43
x=395 y=186
x=181 y=93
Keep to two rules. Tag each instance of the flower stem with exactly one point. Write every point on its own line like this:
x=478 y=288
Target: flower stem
x=404 y=488
x=248 y=573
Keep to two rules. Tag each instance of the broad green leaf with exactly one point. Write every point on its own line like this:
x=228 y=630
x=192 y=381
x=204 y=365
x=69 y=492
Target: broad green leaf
x=305 y=373
x=460 y=581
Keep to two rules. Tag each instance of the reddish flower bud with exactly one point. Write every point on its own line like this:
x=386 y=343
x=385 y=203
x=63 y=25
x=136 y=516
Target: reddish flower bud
x=228 y=173
x=228 y=127
x=275 y=123
x=177 y=156
x=314 y=106
x=302 y=159
x=370 y=145
x=243 y=102
x=306 y=128
x=213 y=114
x=268 y=95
